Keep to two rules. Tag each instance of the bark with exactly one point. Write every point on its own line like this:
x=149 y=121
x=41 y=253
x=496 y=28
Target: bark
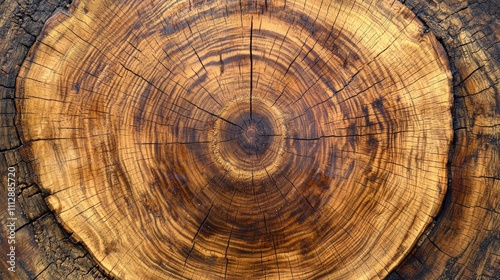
x=461 y=242
x=43 y=249
x=465 y=238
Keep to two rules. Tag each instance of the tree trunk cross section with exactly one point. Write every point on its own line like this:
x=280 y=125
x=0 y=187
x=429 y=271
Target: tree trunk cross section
x=223 y=139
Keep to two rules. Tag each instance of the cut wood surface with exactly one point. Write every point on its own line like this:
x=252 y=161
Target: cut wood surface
x=464 y=242
x=228 y=139
x=264 y=140
x=43 y=249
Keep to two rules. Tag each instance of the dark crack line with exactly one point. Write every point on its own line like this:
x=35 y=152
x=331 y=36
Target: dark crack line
x=276 y=256
x=297 y=56
x=251 y=68
x=178 y=143
x=301 y=194
x=199 y=229
x=203 y=223
x=212 y=114
x=277 y=187
x=230 y=234
x=189 y=254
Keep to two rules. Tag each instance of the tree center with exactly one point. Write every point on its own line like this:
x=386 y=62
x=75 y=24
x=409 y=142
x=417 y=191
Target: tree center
x=248 y=144
x=255 y=134
x=251 y=133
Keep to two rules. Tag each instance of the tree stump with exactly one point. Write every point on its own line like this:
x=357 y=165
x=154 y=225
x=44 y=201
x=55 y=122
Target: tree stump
x=257 y=139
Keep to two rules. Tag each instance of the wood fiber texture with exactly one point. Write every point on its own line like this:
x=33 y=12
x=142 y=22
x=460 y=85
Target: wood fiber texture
x=464 y=241
x=43 y=249
x=221 y=139
x=331 y=184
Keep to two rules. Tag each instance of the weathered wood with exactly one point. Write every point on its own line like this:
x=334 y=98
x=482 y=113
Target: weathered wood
x=462 y=241
x=224 y=139
x=465 y=240
x=43 y=249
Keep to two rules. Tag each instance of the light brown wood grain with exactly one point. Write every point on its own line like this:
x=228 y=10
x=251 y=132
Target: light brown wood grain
x=465 y=240
x=239 y=139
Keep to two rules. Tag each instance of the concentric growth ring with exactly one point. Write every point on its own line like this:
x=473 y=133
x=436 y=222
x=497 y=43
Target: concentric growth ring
x=249 y=144
x=230 y=139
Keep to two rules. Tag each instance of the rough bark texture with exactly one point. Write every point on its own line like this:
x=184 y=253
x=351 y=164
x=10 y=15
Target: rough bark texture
x=44 y=250
x=462 y=242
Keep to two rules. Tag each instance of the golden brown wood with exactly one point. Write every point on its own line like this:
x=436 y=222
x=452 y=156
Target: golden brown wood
x=227 y=139
x=465 y=240
x=43 y=249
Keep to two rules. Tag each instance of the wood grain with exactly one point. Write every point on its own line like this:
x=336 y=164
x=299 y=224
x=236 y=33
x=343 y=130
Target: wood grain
x=229 y=139
x=43 y=249
x=465 y=240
